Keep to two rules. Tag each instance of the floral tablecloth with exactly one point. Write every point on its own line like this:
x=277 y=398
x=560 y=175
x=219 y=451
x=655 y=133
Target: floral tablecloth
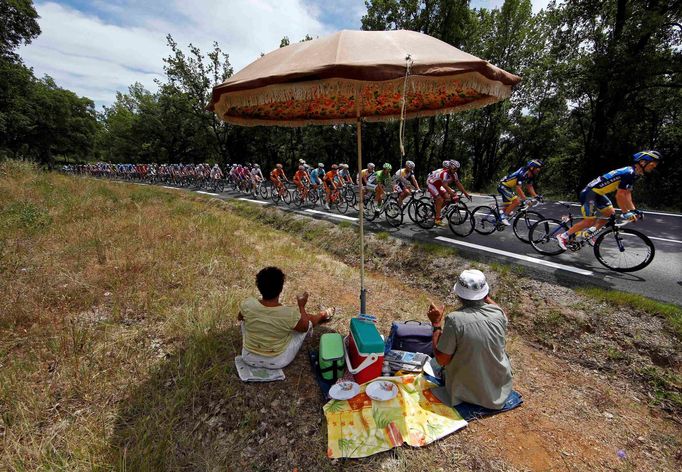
x=360 y=427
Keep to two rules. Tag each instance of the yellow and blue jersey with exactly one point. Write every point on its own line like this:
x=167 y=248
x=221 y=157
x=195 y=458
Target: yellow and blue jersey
x=518 y=177
x=623 y=178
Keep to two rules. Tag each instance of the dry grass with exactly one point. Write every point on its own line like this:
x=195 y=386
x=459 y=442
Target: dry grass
x=118 y=333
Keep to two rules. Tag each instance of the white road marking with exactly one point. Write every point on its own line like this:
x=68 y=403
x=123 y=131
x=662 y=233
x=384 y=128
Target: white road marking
x=172 y=188
x=534 y=260
x=253 y=201
x=667 y=240
x=208 y=193
x=333 y=215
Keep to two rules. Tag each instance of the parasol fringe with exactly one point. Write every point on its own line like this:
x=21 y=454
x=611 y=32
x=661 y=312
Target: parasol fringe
x=282 y=93
x=248 y=122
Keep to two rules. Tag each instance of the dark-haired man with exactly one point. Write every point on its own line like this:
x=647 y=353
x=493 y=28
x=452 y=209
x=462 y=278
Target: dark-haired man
x=273 y=333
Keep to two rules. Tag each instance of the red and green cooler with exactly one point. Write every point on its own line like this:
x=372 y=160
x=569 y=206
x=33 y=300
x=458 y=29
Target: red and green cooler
x=365 y=353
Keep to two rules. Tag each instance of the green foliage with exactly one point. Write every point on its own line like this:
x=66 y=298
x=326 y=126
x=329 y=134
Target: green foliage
x=601 y=80
x=671 y=313
x=18 y=25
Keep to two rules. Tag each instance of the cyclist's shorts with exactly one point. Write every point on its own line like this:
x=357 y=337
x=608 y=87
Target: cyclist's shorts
x=508 y=194
x=435 y=191
x=401 y=186
x=591 y=203
x=371 y=187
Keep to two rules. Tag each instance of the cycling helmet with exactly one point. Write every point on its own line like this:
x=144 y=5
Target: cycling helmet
x=320 y=165
x=279 y=166
x=649 y=156
x=454 y=164
x=334 y=166
x=534 y=163
x=409 y=165
x=301 y=161
x=388 y=166
x=446 y=164
x=256 y=166
x=370 y=166
x=345 y=166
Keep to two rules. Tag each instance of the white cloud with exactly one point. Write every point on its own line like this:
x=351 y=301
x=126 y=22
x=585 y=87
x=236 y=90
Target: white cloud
x=110 y=46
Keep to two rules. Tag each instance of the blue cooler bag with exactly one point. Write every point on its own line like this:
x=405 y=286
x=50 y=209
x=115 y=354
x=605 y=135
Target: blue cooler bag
x=410 y=336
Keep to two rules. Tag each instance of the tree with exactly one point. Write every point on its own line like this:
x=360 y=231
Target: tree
x=18 y=25
x=194 y=74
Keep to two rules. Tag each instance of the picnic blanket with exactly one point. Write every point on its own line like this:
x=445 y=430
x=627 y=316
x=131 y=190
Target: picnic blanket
x=360 y=427
x=248 y=373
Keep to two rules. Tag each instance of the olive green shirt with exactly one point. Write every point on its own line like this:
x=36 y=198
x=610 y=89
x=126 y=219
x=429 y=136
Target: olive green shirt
x=267 y=330
x=479 y=372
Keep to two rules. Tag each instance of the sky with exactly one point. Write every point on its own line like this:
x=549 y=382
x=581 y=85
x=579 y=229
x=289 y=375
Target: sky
x=97 y=47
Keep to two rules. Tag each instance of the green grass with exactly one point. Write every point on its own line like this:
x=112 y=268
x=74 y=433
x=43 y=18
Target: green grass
x=671 y=313
x=436 y=250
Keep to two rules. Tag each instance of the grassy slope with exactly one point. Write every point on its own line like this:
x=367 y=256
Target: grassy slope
x=117 y=336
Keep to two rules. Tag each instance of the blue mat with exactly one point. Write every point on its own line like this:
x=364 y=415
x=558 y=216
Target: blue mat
x=325 y=385
x=472 y=412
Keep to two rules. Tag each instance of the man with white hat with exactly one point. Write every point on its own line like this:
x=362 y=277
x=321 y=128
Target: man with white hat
x=470 y=345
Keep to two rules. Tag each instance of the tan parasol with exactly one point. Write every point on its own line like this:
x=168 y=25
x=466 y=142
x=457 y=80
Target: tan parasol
x=355 y=76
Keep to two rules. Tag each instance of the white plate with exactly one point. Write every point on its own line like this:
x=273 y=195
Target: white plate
x=381 y=390
x=344 y=390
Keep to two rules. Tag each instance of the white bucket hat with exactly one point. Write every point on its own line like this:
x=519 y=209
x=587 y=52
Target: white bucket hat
x=471 y=285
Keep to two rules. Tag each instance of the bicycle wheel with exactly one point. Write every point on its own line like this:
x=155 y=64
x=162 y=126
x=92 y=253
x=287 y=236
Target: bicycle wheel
x=633 y=252
x=370 y=206
x=394 y=214
x=485 y=219
x=460 y=221
x=349 y=195
x=543 y=233
x=523 y=222
x=313 y=196
x=341 y=203
x=286 y=196
x=425 y=215
x=297 y=199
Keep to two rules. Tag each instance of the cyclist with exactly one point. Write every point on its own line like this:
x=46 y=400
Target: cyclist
x=364 y=174
x=331 y=182
x=256 y=177
x=276 y=176
x=405 y=179
x=438 y=184
x=344 y=174
x=593 y=197
x=378 y=182
x=512 y=184
x=302 y=181
x=216 y=172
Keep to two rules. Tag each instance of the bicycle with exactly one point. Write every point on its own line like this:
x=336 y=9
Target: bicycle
x=454 y=210
x=389 y=207
x=488 y=219
x=610 y=248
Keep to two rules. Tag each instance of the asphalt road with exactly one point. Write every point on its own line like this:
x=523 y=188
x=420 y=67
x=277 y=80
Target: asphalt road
x=661 y=280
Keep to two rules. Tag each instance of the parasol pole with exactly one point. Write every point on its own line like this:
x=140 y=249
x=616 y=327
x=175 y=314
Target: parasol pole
x=363 y=292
